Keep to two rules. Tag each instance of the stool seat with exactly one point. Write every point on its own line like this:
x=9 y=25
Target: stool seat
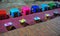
x=37 y=18
x=22 y=21
x=56 y=12
x=8 y=24
x=47 y=15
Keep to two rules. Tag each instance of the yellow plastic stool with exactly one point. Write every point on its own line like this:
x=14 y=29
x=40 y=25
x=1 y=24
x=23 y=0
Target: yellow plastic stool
x=47 y=16
x=22 y=21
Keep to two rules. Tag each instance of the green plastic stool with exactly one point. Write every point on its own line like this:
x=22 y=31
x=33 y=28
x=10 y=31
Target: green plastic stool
x=52 y=5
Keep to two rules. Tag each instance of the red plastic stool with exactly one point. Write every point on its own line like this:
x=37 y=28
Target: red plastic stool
x=3 y=14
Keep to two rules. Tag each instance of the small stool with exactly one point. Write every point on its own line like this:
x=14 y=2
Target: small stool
x=25 y=10
x=56 y=14
x=23 y=22
x=9 y=26
x=52 y=5
x=44 y=7
x=47 y=16
x=57 y=4
x=15 y=12
x=3 y=14
x=37 y=19
x=35 y=9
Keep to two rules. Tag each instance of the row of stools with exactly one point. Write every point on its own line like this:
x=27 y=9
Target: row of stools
x=9 y=25
x=25 y=10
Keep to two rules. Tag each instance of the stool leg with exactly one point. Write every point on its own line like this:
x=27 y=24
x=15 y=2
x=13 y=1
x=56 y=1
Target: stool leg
x=38 y=21
x=54 y=7
x=59 y=6
x=47 y=18
x=46 y=8
x=31 y=12
x=40 y=10
x=2 y=17
x=56 y=14
x=6 y=17
x=24 y=24
x=49 y=8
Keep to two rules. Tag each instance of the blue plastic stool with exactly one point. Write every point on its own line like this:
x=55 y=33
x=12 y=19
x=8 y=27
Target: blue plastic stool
x=37 y=19
x=14 y=12
x=44 y=7
x=35 y=8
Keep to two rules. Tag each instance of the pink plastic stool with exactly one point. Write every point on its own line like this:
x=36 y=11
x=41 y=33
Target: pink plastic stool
x=25 y=10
